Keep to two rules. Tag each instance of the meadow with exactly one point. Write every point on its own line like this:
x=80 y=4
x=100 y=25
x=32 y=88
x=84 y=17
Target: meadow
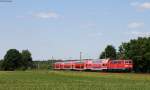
x=72 y=80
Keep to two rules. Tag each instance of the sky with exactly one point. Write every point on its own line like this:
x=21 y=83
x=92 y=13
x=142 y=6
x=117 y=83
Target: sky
x=64 y=28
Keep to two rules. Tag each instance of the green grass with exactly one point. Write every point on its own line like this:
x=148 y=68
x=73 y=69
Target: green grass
x=67 y=80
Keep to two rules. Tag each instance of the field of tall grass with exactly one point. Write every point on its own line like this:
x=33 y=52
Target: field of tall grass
x=72 y=80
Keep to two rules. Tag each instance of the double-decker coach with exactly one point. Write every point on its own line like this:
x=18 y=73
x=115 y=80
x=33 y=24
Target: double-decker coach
x=99 y=64
x=83 y=65
x=68 y=65
x=58 y=65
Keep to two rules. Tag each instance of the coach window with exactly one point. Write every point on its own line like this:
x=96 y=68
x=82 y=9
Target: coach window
x=119 y=62
x=114 y=62
x=90 y=64
x=127 y=62
x=130 y=62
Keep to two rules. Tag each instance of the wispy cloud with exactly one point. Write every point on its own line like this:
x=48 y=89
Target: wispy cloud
x=140 y=34
x=41 y=15
x=141 y=6
x=144 y=6
x=46 y=15
x=135 y=25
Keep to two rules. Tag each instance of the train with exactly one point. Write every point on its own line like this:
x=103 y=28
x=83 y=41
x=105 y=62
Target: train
x=94 y=65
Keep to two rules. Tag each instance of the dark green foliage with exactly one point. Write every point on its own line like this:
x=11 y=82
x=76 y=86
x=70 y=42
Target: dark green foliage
x=110 y=52
x=26 y=60
x=121 y=54
x=139 y=51
x=1 y=61
x=12 y=60
x=103 y=55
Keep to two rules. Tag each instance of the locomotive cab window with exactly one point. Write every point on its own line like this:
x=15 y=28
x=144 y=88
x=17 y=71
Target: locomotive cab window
x=128 y=62
x=104 y=64
x=114 y=62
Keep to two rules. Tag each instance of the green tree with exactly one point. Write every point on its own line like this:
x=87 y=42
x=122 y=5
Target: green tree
x=147 y=61
x=110 y=52
x=12 y=60
x=1 y=61
x=139 y=51
x=102 y=55
x=26 y=59
x=120 y=53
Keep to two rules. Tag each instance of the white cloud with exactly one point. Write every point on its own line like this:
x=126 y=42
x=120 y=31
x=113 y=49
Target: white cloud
x=141 y=34
x=135 y=25
x=46 y=15
x=141 y=6
x=41 y=15
x=144 y=6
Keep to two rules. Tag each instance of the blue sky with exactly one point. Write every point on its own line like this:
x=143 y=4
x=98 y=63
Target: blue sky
x=63 y=28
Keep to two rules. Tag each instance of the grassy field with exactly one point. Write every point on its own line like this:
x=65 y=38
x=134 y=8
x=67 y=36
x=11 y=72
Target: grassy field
x=67 y=80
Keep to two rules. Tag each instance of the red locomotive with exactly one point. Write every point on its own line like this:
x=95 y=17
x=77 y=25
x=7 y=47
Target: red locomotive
x=99 y=64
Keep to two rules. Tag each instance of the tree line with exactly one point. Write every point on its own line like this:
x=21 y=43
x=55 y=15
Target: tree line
x=15 y=60
x=137 y=50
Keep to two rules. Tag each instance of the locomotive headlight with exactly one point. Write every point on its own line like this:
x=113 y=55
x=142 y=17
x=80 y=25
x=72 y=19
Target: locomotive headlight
x=126 y=65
